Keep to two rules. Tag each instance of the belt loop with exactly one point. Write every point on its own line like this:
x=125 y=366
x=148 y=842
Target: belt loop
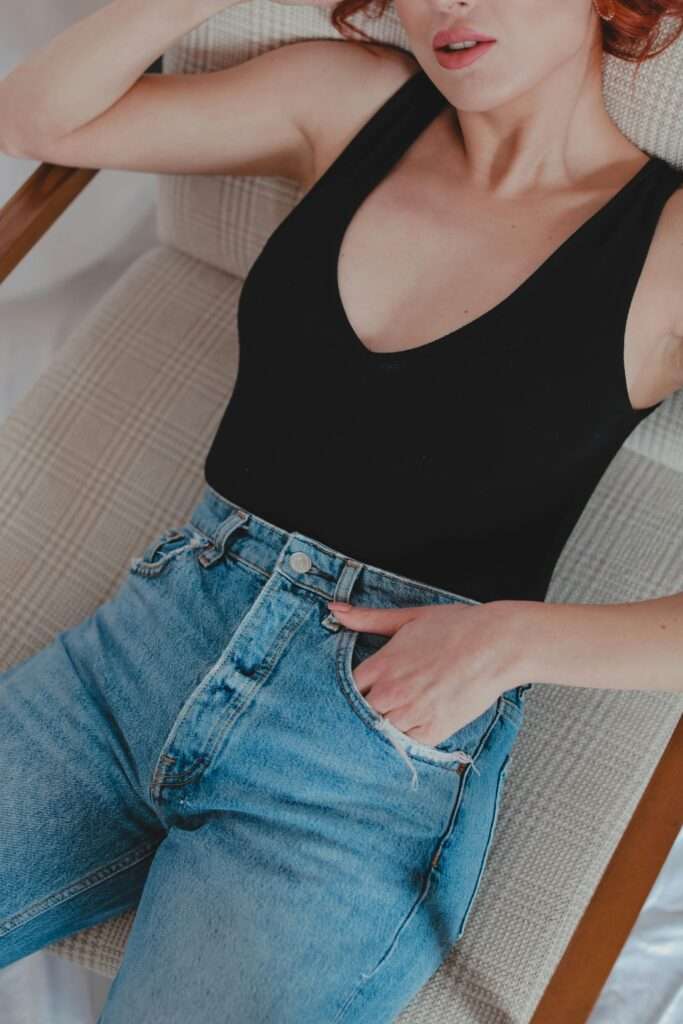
x=342 y=590
x=347 y=579
x=217 y=550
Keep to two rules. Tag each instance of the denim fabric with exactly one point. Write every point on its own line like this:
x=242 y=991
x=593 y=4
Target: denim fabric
x=198 y=747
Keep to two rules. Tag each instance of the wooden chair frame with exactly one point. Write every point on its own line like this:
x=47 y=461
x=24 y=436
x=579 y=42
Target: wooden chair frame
x=646 y=842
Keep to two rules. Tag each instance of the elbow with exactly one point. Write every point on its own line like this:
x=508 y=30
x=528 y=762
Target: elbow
x=10 y=142
x=11 y=149
x=26 y=149
x=42 y=147
x=17 y=142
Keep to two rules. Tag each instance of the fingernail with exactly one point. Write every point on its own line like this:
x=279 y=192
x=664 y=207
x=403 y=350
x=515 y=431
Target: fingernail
x=339 y=606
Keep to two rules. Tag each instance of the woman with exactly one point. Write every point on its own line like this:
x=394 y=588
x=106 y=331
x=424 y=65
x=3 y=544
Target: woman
x=300 y=797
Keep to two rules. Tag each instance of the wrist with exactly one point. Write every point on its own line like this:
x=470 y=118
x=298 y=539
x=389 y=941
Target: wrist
x=522 y=625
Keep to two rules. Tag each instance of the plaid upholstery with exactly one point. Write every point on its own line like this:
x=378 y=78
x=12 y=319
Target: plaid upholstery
x=107 y=449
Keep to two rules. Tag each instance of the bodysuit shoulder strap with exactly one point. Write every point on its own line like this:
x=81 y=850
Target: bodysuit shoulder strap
x=384 y=136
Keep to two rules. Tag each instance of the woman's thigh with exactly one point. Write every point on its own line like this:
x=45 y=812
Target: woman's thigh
x=82 y=722
x=318 y=867
x=311 y=890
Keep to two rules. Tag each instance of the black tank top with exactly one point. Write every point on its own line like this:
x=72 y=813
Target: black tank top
x=463 y=463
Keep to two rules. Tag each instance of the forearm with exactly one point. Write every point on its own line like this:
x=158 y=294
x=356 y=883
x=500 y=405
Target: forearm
x=86 y=68
x=631 y=646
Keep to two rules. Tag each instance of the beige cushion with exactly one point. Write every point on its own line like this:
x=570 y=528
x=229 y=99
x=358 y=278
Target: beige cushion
x=107 y=449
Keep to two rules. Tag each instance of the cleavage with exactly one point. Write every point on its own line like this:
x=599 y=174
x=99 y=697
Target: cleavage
x=420 y=258
x=417 y=264
x=407 y=276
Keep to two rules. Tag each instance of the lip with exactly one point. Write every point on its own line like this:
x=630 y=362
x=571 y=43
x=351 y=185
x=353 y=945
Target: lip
x=459 y=35
x=463 y=58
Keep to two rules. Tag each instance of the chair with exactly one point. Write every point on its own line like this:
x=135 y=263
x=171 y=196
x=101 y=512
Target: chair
x=107 y=449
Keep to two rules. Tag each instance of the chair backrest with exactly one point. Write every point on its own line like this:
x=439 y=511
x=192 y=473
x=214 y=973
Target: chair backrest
x=225 y=220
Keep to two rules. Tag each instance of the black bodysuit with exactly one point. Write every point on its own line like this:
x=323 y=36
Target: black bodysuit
x=463 y=463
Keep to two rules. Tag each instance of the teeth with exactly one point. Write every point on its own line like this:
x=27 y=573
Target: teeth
x=461 y=46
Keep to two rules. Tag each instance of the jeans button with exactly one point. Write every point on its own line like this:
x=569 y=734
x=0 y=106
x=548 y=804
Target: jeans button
x=300 y=561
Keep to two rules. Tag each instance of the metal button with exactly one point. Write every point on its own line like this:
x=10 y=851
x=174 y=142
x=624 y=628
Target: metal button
x=300 y=561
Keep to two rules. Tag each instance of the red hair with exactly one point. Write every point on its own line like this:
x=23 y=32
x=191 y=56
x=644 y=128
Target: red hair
x=630 y=34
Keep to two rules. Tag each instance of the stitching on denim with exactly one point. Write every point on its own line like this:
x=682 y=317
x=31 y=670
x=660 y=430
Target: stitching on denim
x=163 y=774
x=88 y=881
x=434 y=859
x=202 y=533
x=302 y=585
x=450 y=827
x=285 y=638
x=228 y=554
x=247 y=564
x=165 y=761
x=489 y=840
x=393 y=942
x=511 y=710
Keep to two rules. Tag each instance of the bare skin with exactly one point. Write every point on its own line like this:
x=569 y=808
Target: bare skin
x=424 y=227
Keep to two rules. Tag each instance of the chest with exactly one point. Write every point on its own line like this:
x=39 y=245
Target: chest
x=417 y=262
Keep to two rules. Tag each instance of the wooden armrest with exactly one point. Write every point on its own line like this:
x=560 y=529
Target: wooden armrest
x=617 y=901
x=35 y=207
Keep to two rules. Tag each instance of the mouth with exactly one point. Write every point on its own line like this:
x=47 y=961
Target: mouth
x=464 y=53
x=459 y=34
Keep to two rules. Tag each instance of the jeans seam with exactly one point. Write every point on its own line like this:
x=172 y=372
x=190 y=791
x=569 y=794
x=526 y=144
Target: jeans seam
x=434 y=859
x=163 y=775
x=302 y=585
x=83 y=884
x=512 y=711
x=285 y=637
x=489 y=839
x=247 y=564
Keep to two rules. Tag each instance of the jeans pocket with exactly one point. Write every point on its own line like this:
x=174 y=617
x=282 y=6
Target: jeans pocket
x=461 y=746
x=166 y=548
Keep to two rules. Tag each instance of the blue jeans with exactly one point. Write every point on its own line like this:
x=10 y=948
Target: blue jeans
x=198 y=748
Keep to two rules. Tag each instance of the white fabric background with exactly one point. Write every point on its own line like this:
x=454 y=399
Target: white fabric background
x=40 y=304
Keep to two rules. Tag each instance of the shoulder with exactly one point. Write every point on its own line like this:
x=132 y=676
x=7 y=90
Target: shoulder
x=347 y=82
x=343 y=71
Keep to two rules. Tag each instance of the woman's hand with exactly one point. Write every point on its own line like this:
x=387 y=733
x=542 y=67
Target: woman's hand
x=444 y=665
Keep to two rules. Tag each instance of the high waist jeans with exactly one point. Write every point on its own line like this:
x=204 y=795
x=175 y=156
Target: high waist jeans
x=198 y=747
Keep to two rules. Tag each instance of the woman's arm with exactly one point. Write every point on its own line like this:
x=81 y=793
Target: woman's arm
x=445 y=664
x=86 y=68
x=632 y=646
